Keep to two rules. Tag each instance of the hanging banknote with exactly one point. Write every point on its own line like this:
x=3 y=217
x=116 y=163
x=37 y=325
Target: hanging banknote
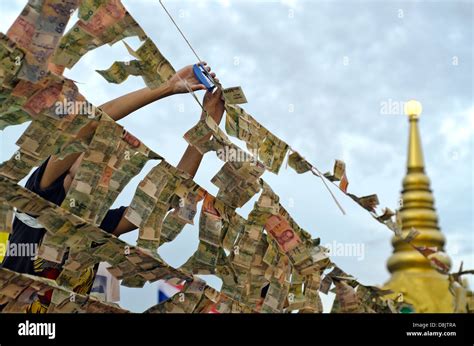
x=18 y=166
x=210 y=236
x=38 y=31
x=338 y=171
x=152 y=202
x=234 y=95
x=298 y=163
x=242 y=125
x=279 y=287
x=11 y=61
x=271 y=150
x=19 y=294
x=113 y=158
x=89 y=243
x=367 y=202
x=346 y=298
x=150 y=64
x=238 y=182
x=101 y=22
x=250 y=248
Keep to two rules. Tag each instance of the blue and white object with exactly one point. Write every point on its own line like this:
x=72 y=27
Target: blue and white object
x=166 y=290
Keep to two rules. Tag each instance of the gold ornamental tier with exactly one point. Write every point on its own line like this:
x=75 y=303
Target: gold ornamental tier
x=424 y=289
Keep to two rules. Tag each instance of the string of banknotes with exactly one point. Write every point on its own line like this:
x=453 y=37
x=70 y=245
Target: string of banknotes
x=272 y=151
x=19 y=292
x=267 y=262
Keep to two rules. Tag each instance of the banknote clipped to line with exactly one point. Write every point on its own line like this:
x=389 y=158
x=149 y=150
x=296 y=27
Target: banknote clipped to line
x=113 y=158
x=151 y=65
x=38 y=31
x=234 y=95
x=11 y=61
x=184 y=203
x=91 y=244
x=19 y=294
x=152 y=201
x=271 y=150
x=100 y=22
x=197 y=297
x=298 y=163
x=369 y=202
x=52 y=128
x=338 y=174
x=205 y=259
x=267 y=262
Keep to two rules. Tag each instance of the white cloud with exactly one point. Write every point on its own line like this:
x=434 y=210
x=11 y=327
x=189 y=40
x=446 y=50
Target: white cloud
x=457 y=130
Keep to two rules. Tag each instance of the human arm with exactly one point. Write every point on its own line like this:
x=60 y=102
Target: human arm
x=178 y=84
x=191 y=159
x=118 y=109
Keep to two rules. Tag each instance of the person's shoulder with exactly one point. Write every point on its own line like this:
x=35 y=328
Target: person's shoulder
x=54 y=192
x=112 y=219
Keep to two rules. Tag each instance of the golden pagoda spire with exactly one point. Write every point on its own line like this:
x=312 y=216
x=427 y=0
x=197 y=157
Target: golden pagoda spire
x=424 y=288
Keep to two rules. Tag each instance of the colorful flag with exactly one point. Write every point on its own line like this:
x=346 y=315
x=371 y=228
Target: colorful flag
x=166 y=290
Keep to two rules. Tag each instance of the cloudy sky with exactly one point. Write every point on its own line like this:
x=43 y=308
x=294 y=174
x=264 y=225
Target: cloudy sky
x=317 y=74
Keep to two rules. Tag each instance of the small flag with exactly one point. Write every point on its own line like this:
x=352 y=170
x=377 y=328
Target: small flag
x=166 y=290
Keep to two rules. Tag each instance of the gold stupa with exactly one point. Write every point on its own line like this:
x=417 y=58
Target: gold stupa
x=424 y=289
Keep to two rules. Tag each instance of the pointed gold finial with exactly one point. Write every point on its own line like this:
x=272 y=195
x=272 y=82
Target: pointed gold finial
x=415 y=162
x=422 y=286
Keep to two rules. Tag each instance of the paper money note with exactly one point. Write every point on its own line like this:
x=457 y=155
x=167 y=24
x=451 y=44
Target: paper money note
x=113 y=158
x=38 y=31
x=367 y=202
x=234 y=95
x=6 y=218
x=271 y=149
x=280 y=229
x=242 y=125
x=152 y=200
x=298 y=163
x=22 y=291
x=151 y=65
x=119 y=71
x=338 y=171
x=100 y=23
x=272 y=152
x=11 y=59
x=66 y=229
x=344 y=183
x=210 y=236
x=346 y=297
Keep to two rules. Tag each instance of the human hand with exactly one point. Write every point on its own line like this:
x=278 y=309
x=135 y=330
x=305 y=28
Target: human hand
x=185 y=77
x=214 y=105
